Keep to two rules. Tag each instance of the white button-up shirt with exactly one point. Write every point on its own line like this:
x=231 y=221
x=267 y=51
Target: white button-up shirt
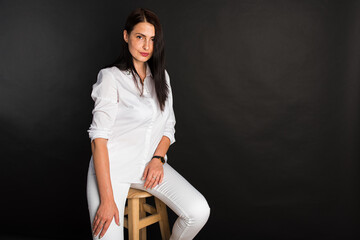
x=133 y=124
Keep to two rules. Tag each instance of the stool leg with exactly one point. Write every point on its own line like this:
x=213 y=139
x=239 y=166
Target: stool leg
x=164 y=222
x=133 y=219
x=142 y=215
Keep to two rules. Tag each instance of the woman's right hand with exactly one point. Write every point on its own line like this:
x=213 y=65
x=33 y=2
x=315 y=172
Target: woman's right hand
x=104 y=215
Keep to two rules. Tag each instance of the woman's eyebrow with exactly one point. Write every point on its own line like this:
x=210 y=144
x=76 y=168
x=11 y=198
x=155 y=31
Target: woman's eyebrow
x=143 y=34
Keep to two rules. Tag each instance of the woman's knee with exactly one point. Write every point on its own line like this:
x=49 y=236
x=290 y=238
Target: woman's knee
x=199 y=210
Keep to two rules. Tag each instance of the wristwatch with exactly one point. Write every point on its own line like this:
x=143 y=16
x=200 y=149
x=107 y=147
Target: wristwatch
x=162 y=159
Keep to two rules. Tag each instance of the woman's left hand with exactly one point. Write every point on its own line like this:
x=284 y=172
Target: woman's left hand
x=153 y=173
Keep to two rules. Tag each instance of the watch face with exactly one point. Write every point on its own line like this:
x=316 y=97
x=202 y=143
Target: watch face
x=162 y=159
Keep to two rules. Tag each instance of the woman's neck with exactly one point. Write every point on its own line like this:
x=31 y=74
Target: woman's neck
x=141 y=69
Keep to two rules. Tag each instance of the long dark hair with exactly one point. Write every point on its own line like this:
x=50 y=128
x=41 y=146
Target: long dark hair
x=156 y=62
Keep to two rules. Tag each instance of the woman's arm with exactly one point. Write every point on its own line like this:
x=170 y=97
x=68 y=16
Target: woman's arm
x=105 y=96
x=107 y=209
x=162 y=148
x=102 y=169
x=155 y=168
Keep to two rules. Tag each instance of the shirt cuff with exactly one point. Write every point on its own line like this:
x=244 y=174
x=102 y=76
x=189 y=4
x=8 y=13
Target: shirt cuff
x=98 y=133
x=170 y=136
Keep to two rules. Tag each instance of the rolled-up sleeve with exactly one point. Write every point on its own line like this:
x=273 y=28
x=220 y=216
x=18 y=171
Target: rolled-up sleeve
x=105 y=96
x=171 y=121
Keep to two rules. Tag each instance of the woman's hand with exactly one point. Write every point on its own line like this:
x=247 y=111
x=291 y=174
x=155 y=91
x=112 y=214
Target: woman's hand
x=153 y=173
x=104 y=215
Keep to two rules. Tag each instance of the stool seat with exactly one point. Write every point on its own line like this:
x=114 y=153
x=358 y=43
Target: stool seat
x=137 y=221
x=136 y=193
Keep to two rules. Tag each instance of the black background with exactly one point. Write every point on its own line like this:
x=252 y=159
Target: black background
x=266 y=98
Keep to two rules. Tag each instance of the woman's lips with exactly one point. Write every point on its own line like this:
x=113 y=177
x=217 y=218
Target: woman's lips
x=144 y=54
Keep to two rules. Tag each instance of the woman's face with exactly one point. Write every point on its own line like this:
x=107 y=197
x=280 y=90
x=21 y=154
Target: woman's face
x=141 y=41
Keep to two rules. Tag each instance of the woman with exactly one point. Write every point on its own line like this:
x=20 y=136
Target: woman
x=131 y=131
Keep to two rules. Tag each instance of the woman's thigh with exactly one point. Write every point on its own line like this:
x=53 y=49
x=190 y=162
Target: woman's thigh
x=179 y=195
x=120 y=191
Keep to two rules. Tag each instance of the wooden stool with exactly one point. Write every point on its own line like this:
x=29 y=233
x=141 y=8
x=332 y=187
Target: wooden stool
x=137 y=221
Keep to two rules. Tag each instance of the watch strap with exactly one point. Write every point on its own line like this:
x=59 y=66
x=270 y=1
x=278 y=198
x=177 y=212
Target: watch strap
x=162 y=159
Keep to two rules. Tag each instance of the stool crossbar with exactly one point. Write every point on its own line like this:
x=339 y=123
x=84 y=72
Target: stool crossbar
x=137 y=221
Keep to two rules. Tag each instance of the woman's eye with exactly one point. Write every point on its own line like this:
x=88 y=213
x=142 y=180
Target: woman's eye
x=139 y=37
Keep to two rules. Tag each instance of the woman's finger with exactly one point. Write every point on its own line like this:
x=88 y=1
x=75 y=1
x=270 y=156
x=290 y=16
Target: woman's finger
x=148 y=177
x=149 y=181
x=93 y=226
x=156 y=182
x=161 y=178
x=96 y=223
x=105 y=228
x=117 y=220
x=145 y=172
x=99 y=227
x=158 y=179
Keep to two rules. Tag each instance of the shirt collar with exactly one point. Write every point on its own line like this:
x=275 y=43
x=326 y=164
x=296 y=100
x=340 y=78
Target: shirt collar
x=148 y=72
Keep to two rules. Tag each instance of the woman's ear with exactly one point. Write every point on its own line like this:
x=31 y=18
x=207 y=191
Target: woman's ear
x=126 y=36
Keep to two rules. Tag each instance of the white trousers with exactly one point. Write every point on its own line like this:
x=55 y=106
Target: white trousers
x=175 y=191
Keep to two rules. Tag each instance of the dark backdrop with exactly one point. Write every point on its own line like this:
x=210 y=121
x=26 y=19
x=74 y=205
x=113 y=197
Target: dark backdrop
x=266 y=96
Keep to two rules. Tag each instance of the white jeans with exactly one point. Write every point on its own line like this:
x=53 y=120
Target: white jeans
x=175 y=191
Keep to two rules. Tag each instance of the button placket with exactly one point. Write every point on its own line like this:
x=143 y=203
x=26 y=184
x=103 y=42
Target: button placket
x=149 y=131
x=146 y=87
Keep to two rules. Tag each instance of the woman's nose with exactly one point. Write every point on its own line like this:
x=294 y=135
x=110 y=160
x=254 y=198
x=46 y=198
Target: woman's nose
x=146 y=45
